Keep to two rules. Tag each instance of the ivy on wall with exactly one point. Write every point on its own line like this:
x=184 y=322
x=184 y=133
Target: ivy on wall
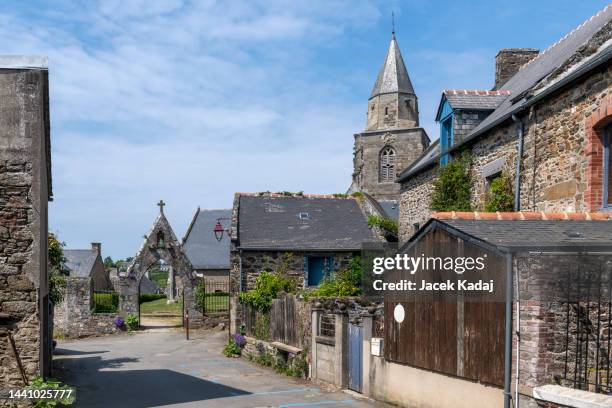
x=500 y=195
x=453 y=186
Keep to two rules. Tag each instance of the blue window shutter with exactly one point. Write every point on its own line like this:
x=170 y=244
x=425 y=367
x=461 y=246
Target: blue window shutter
x=305 y=271
x=330 y=265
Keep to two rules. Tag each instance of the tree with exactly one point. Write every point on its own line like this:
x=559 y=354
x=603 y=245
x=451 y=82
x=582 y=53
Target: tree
x=57 y=281
x=108 y=262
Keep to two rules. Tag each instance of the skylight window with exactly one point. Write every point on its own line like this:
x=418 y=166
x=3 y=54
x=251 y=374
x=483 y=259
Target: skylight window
x=304 y=216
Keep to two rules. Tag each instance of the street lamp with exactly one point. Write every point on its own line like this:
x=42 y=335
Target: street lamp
x=219 y=230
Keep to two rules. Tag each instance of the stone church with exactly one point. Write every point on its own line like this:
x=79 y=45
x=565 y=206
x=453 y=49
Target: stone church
x=392 y=138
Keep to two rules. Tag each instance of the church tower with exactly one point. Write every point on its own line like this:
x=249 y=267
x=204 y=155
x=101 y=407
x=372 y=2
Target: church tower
x=392 y=139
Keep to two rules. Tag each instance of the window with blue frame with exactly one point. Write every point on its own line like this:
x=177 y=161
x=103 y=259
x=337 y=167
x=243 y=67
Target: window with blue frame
x=445 y=118
x=318 y=268
x=607 y=182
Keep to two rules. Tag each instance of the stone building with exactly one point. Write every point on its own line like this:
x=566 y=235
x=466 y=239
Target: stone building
x=392 y=138
x=87 y=264
x=545 y=126
x=208 y=252
x=25 y=189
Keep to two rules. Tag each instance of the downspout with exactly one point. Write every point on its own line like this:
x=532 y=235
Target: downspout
x=508 y=334
x=240 y=268
x=519 y=158
x=518 y=341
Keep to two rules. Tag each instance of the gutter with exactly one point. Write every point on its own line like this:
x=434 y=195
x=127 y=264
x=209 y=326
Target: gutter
x=519 y=159
x=508 y=334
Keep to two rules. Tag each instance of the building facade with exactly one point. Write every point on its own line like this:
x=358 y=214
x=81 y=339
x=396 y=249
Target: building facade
x=548 y=131
x=392 y=138
x=25 y=189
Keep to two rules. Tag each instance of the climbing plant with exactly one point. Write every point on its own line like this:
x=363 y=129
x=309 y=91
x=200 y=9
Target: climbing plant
x=500 y=195
x=453 y=186
x=57 y=281
x=383 y=223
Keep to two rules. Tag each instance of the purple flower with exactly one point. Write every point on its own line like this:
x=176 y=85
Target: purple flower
x=239 y=339
x=119 y=322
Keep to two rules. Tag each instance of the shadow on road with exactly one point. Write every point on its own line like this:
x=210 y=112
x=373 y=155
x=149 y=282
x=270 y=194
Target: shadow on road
x=97 y=386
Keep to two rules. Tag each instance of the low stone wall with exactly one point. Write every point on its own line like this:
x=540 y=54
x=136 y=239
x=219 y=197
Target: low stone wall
x=326 y=360
x=73 y=317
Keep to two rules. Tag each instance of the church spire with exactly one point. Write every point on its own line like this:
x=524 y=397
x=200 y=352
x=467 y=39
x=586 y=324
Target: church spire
x=393 y=76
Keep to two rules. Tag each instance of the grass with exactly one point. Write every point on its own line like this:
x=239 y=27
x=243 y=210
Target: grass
x=217 y=303
x=160 y=306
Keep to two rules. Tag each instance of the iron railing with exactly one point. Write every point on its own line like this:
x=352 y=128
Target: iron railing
x=216 y=298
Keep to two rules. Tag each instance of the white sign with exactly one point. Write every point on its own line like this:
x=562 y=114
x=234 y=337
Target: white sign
x=376 y=346
x=399 y=313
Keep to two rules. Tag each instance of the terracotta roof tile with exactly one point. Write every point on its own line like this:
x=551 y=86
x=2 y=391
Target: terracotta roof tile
x=521 y=215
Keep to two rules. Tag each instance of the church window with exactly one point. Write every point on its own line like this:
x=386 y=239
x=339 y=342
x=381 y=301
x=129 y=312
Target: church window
x=160 y=240
x=386 y=110
x=387 y=165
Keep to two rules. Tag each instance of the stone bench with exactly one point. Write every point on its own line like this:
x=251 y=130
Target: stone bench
x=285 y=347
x=570 y=397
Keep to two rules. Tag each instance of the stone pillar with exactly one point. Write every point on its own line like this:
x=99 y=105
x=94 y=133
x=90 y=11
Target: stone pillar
x=341 y=349
x=235 y=314
x=171 y=286
x=314 y=327
x=365 y=352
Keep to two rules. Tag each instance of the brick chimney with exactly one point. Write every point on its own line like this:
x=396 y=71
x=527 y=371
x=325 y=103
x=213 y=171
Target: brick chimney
x=509 y=60
x=96 y=246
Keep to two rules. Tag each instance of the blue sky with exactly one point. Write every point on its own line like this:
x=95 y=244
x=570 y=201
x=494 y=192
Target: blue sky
x=193 y=101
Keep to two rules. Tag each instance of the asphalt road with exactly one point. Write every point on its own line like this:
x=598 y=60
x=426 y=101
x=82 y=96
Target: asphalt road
x=160 y=368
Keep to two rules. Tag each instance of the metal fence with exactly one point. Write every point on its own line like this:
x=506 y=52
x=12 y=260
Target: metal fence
x=104 y=301
x=216 y=296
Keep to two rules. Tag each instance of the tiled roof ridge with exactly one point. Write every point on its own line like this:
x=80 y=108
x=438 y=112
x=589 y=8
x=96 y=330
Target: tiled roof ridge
x=245 y=194
x=565 y=36
x=475 y=92
x=522 y=215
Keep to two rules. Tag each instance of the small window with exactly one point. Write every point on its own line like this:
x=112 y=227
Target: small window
x=160 y=240
x=386 y=110
x=372 y=109
x=304 y=216
x=387 y=165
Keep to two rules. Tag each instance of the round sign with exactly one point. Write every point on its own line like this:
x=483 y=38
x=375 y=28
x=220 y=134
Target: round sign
x=399 y=313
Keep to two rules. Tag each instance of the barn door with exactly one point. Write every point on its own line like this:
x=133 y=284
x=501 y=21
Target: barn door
x=355 y=339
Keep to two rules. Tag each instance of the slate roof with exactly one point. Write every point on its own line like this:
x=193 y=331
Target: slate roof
x=273 y=222
x=393 y=76
x=475 y=99
x=80 y=262
x=522 y=235
x=200 y=244
x=534 y=80
x=391 y=208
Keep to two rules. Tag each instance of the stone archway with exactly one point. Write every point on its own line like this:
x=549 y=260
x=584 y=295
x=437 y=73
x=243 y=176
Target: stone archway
x=160 y=244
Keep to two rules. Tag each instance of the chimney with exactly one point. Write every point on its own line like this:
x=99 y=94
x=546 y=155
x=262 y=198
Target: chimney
x=96 y=246
x=509 y=60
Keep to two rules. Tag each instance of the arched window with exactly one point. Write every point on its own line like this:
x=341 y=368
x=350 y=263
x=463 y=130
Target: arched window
x=160 y=240
x=387 y=165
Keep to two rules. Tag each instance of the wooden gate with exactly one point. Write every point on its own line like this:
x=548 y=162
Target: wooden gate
x=355 y=341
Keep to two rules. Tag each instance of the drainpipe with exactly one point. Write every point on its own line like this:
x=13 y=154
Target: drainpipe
x=517 y=180
x=508 y=334
x=518 y=340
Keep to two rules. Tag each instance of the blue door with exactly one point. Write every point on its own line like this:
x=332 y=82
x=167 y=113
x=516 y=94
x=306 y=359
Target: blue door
x=355 y=340
x=316 y=270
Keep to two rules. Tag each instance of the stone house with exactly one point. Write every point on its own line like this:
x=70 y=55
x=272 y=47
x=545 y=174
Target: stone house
x=25 y=190
x=545 y=125
x=87 y=264
x=208 y=252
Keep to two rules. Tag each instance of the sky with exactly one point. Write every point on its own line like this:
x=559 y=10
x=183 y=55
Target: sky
x=192 y=101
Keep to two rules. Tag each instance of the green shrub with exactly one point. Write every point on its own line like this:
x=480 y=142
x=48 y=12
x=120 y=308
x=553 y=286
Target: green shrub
x=383 y=223
x=150 y=297
x=132 y=321
x=453 y=187
x=267 y=287
x=358 y=195
x=231 y=349
x=105 y=302
x=500 y=196
x=64 y=399
x=344 y=282
x=261 y=329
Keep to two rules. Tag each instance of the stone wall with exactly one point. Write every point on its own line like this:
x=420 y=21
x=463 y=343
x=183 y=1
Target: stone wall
x=73 y=317
x=557 y=162
x=25 y=185
x=414 y=203
x=292 y=264
x=408 y=145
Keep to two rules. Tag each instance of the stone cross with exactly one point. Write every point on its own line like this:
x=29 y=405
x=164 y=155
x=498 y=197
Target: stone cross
x=161 y=206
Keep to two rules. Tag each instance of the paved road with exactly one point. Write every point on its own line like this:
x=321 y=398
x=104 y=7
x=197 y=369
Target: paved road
x=160 y=368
